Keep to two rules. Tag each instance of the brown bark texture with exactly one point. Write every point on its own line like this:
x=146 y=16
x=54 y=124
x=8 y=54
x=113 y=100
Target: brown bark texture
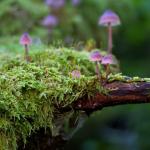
x=119 y=93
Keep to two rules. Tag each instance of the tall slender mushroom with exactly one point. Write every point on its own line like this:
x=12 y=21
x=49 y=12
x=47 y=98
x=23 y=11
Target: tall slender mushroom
x=96 y=57
x=106 y=61
x=26 y=40
x=109 y=19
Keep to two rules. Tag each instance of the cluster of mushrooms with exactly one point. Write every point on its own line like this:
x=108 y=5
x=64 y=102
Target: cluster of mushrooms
x=108 y=19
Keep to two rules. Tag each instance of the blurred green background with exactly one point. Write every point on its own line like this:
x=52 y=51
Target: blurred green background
x=122 y=127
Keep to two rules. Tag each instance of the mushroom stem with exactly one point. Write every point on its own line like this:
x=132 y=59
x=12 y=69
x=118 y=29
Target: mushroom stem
x=49 y=34
x=110 y=38
x=107 y=70
x=98 y=72
x=27 y=53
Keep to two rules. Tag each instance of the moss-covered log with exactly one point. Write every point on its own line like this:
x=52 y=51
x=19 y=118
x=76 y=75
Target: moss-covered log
x=36 y=95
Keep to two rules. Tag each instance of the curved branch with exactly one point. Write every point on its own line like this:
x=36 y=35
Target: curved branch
x=119 y=93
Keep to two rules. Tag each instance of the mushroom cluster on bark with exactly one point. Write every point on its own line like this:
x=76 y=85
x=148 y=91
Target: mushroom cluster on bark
x=105 y=61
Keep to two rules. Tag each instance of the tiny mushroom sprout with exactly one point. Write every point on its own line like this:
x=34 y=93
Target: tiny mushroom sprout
x=76 y=74
x=109 y=19
x=26 y=40
x=106 y=61
x=96 y=57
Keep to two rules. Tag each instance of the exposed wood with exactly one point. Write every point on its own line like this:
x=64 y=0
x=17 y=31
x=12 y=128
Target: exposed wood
x=119 y=93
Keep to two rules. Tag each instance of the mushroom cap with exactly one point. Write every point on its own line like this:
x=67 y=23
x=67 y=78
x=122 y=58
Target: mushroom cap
x=76 y=74
x=75 y=2
x=50 y=21
x=108 y=59
x=95 y=56
x=56 y=4
x=25 y=39
x=109 y=17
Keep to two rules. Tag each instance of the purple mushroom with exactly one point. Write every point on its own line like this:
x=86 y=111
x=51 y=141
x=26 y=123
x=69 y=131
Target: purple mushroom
x=96 y=57
x=26 y=40
x=76 y=74
x=50 y=21
x=106 y=61
x=55 y=4
x=76 y=2
x=109 y=19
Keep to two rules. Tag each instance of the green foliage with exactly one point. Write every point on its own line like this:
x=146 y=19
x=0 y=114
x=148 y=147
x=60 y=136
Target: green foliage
x=21 y=15
x=123 y=78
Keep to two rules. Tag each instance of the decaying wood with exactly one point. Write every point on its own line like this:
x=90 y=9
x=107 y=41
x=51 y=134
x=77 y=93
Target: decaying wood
x=119 y=93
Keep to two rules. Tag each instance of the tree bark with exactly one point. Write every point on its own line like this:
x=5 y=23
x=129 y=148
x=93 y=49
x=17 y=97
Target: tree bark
x=119 y=93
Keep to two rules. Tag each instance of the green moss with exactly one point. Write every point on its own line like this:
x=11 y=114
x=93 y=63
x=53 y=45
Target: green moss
x=31 y=93
x=123 y=78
